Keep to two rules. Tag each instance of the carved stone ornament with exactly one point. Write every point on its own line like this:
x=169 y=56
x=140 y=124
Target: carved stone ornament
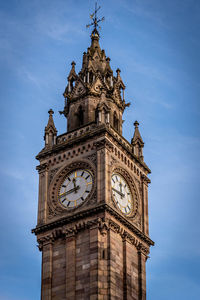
x=42 y=168
x=93 y=158
x=136 y=215
x=52 y=173
x=104 y=225
x=54 y=207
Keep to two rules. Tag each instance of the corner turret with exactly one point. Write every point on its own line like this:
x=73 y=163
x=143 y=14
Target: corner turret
x=137 y=142
x=50 y=131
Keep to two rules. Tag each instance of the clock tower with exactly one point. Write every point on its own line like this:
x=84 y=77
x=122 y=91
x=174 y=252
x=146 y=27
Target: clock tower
x=92 y=226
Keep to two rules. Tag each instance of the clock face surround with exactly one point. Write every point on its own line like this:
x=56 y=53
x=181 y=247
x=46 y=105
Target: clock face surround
x=75 y=188
x=122 y=194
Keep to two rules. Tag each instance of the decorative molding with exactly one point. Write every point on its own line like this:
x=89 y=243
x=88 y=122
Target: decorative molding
x=42 y=168
x=104 y=225
x=103 y=143
x=93 y=158
x=90 y=212
x=145 y=179
x=52 y=173
x=113 y=161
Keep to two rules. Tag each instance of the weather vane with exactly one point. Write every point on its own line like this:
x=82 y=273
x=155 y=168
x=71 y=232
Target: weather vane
x=95 y=18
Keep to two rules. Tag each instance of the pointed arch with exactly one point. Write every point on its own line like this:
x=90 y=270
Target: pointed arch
x=115 y=121
x=80 y=116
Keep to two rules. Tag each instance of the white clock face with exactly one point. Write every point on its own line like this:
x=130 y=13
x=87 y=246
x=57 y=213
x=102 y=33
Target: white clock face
x=122 y=194
x=75 y=188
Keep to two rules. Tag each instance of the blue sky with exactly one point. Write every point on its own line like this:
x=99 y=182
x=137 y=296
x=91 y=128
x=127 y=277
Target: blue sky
x=156 y=44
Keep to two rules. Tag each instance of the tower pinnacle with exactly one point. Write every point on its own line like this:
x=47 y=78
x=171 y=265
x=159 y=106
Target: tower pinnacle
x=50 y=131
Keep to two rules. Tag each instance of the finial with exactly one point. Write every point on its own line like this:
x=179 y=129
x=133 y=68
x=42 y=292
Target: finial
x=50 y=112
x=136 y=124
x=73 y=64
x=118 y=71
x=95 y=22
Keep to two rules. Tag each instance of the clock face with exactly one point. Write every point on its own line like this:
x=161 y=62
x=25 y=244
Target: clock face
x=122 y=194
x=75 y=188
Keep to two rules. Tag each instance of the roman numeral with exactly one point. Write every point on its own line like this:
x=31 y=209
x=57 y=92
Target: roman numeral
x=116 y=178
x=87 y=177
x=64 y=185
x=125 y=185
x=69 y=178
x=68 y=203
x=128 y=193
x=87 y=191
x=125 y=210
x=82 y=198
x=113 y=180
x=82 y=173
x=63 y=200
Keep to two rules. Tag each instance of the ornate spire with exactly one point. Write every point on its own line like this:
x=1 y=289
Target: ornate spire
x=137 y=142
x=97 y=81
x=50 y=131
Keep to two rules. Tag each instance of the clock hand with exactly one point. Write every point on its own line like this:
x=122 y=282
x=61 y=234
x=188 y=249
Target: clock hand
x=74 y=182
x=70 y=191
x=121 y=194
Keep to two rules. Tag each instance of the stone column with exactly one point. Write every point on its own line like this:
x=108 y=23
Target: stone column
x=46 y=271
x=142 y=275
x=145 y=215
x=124 y=268
x=103 y=261
x=42 y=196
x=94 y=255
x=70 y=267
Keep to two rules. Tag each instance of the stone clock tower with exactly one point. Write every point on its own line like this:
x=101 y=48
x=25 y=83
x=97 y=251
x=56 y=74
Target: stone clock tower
x=92 y=226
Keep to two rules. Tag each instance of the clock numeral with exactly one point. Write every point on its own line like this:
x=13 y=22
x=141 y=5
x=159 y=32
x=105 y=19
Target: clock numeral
x=87 y=177
x=82 y=198
x=64 y=185
x=68 y=203
x=125 y=186
x=87 y=191
x=125 y=210
x=116 y=178
x=113 y=180
x=128 y=193
x=82 y=173
x=69 y=178
x=63 y=200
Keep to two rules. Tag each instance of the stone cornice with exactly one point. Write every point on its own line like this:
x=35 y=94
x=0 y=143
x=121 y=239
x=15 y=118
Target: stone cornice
x=103 y=224
x=89 y=212
x=97 y=131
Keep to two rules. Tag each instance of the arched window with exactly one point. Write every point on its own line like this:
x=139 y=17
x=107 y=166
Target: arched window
x=80 y=116
x=71 y=84
x=90 y=77
x=115 y=121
